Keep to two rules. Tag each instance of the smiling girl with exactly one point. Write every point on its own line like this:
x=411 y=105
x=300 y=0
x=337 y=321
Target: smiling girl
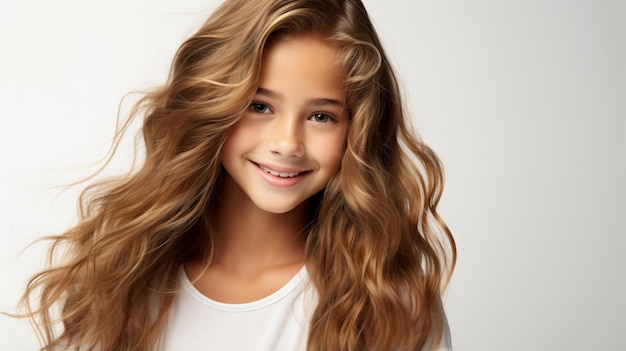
x=283 y=203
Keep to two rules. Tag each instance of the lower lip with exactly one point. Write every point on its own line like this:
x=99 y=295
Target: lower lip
x=280 y=181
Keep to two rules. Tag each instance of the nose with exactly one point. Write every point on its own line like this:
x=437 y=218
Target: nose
x=286 y=137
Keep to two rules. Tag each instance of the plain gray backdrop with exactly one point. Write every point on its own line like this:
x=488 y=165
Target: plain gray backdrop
x=523 y=100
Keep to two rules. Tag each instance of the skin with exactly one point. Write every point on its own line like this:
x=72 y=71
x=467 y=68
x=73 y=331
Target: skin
x=296 y=126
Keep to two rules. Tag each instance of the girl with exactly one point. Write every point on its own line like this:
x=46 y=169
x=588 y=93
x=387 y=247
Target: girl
x=283 y=203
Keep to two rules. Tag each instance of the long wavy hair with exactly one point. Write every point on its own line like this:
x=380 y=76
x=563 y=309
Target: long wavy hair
x=377 y=251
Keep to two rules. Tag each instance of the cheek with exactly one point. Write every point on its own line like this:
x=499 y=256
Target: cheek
x=330 y=150
x=238 y=138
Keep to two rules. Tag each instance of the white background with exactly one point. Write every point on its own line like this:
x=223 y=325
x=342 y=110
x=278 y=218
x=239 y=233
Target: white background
x=525 y=102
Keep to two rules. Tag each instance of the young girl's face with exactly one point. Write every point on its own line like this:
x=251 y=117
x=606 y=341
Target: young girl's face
x=288 y=144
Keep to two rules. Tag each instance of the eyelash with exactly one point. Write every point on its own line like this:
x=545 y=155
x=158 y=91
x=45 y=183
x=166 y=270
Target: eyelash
x=264 y=108
x=254 y=105
x=330 y=117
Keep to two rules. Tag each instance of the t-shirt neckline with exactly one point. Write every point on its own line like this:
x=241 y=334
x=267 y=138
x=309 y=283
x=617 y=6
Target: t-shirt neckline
x=276 y=296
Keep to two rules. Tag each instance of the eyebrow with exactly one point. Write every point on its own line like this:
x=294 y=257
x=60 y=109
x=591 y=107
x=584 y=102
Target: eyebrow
x=312 y=102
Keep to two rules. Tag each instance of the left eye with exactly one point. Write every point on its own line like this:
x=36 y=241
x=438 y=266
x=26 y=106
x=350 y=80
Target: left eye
x=260 y=108
x=321 y=117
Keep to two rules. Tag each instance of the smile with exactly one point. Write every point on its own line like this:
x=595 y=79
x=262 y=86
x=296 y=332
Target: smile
x=277 y=173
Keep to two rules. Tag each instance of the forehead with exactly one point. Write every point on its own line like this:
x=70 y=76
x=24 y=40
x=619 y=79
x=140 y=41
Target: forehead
x=306 y=64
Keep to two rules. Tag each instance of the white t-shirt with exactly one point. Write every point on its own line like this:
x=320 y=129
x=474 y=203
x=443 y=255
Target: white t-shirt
x=279 y=322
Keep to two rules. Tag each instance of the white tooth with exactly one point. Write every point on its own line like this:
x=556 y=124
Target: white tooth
x=278 y=174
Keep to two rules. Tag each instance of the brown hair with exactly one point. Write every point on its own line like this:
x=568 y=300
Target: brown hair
x=377 y=251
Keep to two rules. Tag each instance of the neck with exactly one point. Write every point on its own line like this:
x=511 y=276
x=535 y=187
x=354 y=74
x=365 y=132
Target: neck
x=248 y=239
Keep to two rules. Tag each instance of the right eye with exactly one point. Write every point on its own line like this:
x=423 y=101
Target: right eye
x=260 y=107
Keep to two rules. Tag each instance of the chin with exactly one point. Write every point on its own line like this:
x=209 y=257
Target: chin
x=278 y=203
x=279 y=208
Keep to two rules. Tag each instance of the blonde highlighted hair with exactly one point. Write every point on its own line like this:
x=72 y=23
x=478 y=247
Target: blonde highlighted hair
x=377 y=251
